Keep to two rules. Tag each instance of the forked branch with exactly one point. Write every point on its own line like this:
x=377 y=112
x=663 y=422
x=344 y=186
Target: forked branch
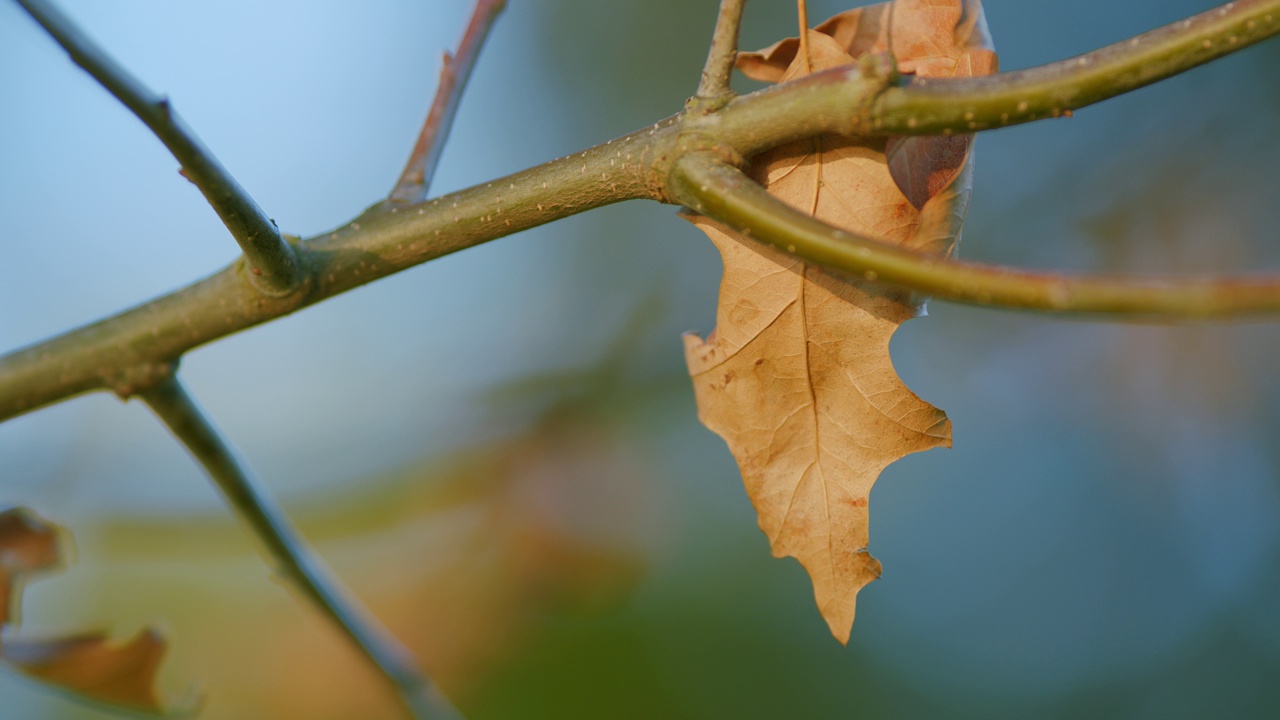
x=282 y=543
x=273 y=265
x=868 y=99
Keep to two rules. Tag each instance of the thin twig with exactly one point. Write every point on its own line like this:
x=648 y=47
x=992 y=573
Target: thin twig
x=273 y=265
x=726 y=194
x=454 y=74
x=716 y=73
x=175 y=407
x=930 y=106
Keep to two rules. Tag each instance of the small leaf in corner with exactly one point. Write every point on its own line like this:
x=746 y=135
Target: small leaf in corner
x=86 y=665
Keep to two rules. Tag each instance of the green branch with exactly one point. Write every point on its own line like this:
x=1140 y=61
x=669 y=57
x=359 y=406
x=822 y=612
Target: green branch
x=929 y=106
x=454 y=75
x=272 y=264
x=385 y=239
x=726 y=194
x=282 y=543
x=872 y=99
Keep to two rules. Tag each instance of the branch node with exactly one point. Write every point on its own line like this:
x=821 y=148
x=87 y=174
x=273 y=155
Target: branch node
x=141 y=378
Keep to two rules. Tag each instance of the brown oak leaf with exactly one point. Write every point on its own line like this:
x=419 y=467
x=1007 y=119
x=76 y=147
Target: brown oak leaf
x=797 y=376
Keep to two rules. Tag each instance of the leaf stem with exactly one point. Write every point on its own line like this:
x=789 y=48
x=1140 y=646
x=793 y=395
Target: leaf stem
x=274 y=268
x=174 y=406
x=727 y=195
x=802 y=15
x=454 y=74
x=714 y=86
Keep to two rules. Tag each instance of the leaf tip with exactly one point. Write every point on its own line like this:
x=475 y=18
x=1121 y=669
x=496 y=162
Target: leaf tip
x=840 y=607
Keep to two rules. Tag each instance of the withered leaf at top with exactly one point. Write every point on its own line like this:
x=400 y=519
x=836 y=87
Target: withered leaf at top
x=930 y=38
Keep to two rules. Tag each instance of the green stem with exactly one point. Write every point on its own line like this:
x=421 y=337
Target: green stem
x=454 y=75
x=871 y=99
x=282 y=543
x=725 y=194
x=929 y=106
x=273 y=266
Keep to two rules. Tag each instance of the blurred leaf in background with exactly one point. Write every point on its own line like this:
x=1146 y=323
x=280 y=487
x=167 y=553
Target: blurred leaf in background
x=119 y=675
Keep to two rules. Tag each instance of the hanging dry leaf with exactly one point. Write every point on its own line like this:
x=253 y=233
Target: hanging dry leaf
x=797 y=377
x=86 y=665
